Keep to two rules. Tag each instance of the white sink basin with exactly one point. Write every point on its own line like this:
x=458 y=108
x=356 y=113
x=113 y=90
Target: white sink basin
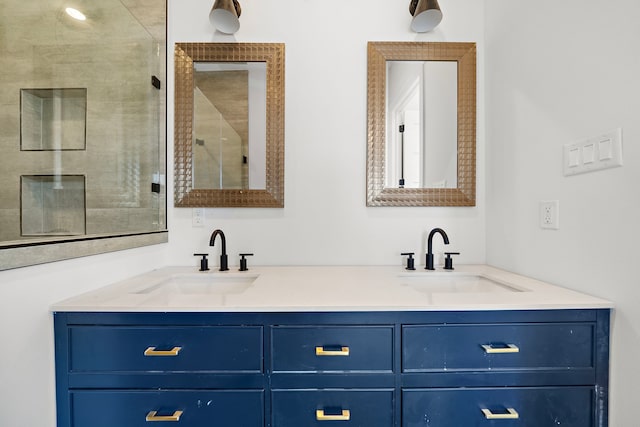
x=202 y=284
x=452 y=282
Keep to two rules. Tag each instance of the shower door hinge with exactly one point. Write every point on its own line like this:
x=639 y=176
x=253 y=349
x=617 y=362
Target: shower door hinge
x=155 y=82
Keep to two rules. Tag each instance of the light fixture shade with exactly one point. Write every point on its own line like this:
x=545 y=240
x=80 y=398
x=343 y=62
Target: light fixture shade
x=426 y=15
x=224 y=16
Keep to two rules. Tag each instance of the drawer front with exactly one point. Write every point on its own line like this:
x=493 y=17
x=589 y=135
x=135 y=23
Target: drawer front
x=186 y=409
x=340 y=348
x=509 y=407
x=166 y=349
x=493 y=347
x=325 y=408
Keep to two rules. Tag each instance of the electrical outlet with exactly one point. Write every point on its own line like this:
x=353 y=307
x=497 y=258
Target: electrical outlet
x=550 y=214
x=197 y=217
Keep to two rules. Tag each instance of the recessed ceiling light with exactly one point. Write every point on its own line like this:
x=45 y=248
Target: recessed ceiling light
x=75 y=14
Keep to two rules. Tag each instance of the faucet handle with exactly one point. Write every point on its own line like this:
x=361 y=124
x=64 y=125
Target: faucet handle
x=243 y=261
x=204 y=262
x=448 y=261
x=410 y=260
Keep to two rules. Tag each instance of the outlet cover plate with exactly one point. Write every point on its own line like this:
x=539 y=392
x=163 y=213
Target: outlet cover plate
x=550 y=214
x=197 y=217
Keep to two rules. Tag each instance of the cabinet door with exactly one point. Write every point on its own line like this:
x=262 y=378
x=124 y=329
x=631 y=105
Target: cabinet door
x=332 y=349
x=429 y=348
x=240 y=408
x=326 y=408
x=166 y=349
x=509 y=407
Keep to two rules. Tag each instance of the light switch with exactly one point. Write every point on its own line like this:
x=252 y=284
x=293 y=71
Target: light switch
x=588 y=153
x=591 y=154
x=574 y=157
x=605 y=149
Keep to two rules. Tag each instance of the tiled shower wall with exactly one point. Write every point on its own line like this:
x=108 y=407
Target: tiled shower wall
x=115 y=66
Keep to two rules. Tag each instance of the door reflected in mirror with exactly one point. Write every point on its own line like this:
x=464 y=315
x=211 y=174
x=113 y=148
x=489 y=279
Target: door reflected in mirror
x=229 y=125
x=422 y=124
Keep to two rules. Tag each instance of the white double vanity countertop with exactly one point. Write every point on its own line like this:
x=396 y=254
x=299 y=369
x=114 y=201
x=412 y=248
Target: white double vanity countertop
x=330 y=288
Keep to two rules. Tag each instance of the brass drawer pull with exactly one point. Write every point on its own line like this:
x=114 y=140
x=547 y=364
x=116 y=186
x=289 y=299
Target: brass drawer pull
x=510 y=348
x=343 y=351
x=151 y=351
x=511 y=414
x=153 y=416
x=344 y=416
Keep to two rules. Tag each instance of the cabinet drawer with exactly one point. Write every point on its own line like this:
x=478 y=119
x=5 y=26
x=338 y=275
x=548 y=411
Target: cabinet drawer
x=166 y=349
x=513 y=407
x=241 y=408
x=340 y=348
x=494 y=347
x=348 y=408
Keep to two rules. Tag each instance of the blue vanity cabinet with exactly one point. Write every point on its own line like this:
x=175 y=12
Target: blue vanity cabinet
x=513 y=346
x=332 y=348
x=191 y=408
x=327 y=407
x=534 y=368
x=515 y=406
x=116 y=348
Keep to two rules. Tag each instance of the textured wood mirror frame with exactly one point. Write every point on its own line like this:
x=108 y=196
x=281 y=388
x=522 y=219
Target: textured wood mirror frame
x=185 y=55
x=465 y=55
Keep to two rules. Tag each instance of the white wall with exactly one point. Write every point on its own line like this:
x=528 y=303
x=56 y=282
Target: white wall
x=557 y=72
x=27 y=382
x=324 y=221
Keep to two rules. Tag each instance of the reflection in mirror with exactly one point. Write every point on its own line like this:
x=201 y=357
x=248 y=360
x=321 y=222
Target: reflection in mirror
x=229 y=133
x=421 y=124
x=82 y=128
x=229 y=125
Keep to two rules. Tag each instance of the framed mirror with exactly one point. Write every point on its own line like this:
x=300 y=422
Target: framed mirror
x=229 y=125
x=421 y=144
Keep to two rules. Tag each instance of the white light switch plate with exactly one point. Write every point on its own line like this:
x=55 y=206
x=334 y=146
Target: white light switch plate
x=601 y=152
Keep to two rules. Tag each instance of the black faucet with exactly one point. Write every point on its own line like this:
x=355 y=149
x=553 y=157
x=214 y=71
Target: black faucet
x=223 y=253
x=429 y=260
